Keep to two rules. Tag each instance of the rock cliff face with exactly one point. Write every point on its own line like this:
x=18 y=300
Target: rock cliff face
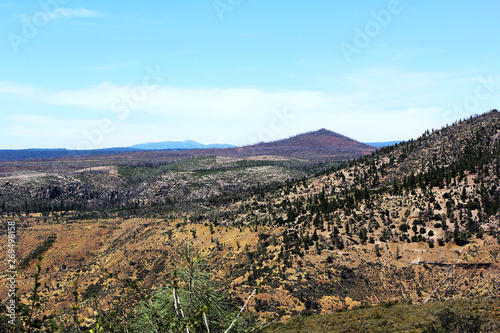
x=49 y=192
x=78 y=191
x=39 y=191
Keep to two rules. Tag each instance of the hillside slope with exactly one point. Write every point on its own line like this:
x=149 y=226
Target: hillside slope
x=418 y=221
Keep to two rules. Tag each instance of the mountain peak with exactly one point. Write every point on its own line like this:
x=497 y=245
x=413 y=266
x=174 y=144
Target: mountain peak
x=326 y=132
x=320 y=143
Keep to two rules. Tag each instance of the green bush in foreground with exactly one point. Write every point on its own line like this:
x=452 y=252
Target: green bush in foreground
x=190 y=301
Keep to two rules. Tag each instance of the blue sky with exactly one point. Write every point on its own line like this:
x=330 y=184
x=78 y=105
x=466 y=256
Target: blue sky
x=94 y=74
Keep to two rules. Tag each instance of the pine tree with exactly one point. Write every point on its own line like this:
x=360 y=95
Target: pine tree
x=191 y=300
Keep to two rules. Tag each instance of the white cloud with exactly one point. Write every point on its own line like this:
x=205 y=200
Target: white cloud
x=13 y=88
x=60 y=13
x=97 y=97
x=113 y=66
x=167 y=100
x=379 y=105
x=42 y=131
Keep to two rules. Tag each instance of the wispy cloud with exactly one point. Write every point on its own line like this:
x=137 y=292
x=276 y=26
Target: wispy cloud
x=46 y=131
x=117 y=65
x=65 y=13
x=100 y=95
x=380 y=105
x=410 y=53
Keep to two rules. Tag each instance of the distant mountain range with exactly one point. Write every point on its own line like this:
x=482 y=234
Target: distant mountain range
x=322 y=142
x=187 y=144
x=382 y=144
x=190 y=144
x=49 y=153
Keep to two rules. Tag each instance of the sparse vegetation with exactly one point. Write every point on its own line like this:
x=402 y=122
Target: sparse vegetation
x=413 y=222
